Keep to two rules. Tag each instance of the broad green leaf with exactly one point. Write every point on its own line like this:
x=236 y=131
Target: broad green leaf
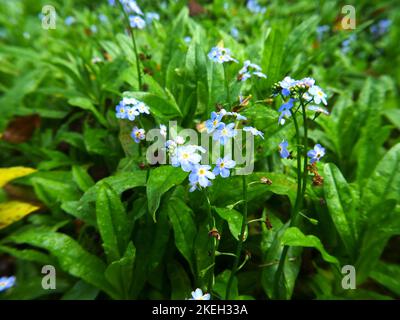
x=86 y=104
x=52 y=191
x=216 y=81
x=273 y=53
x=71 y=256
x=234 y=219
x=112 y=222
x=384 y=183
x=221 y=281
x=81 y=291
x=161 y=238
x=181 y=217
x=28 y=255
x=271 y=261
x=378 y=230
x=388 y=275
x=161 y=107
x=178 y=30
x=394 y=116
x=201 y=251
x=82 y=178
x=119 y=273
x=83 y=209
x=180 y=282
x=294 y=237
x=341 y=206
x=160 y=181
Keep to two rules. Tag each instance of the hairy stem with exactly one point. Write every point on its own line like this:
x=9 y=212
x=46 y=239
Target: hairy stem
x=241 y=239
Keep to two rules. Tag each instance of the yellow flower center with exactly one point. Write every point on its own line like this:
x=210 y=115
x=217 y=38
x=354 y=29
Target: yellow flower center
x=222 y=165
x=185 y=156
x=224 y=131
x=215 y=122
x=202 y=172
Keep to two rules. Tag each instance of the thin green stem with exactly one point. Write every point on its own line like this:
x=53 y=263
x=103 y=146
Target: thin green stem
x=305 y=158
x=241 y=239
x=295 y=211
x=228 y=94
x=213 y=243
x=134 y=47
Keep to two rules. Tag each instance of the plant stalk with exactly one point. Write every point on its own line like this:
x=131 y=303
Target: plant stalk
x=241 y=239
x=134 y=47
x=213 y=244
x=301 y=182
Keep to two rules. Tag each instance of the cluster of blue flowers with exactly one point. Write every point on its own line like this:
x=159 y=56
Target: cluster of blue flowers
x=381 y=27
x=6 y=283
x=321 y=30
x=249 y=69
x=188 y=157
x=347 y=43
x=220 y=54
x=130 y=108
x=314 y=154
x=305 y=89
x=137 y=18
x=255 y=7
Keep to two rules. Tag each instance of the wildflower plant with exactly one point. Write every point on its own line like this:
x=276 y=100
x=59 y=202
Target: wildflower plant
x=170 y=150
x=296 y=96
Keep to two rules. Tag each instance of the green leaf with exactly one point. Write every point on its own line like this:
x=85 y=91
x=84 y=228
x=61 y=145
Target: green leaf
x=160 y=181
x=272 y=54
x=82 y=178
x=71 y=256
x=162 y=108
x=181 y=217
x=394 y=116
x=221 y=281
x=160 y=242
x=234 y=219
x=86 y=104
x=387 y=275
x=112 y=222
x=341 y=206
x=28 y=254
x=216 y=81
x=120 y=273
x=81 y=291
x=294 y=237
x=180 y=282
x=52 y=191
x=271 y=261
x=83 y=210
x=383 y=224
x=384 y=182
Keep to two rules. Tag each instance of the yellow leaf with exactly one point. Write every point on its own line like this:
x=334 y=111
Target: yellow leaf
x=12 y=211
x=8 y=174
